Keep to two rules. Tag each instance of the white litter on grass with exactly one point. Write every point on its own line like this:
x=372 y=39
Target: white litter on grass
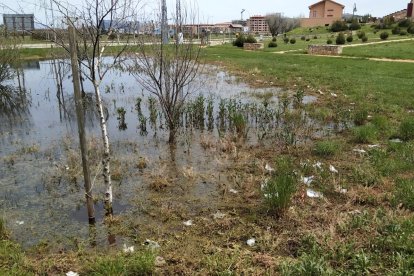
x=71 y=273
x=332 y=169
x=233 y=191
x=373 y=146
x=396 y=140
x=313 y=194
x=307 y=180
x=334 y=95
x=320 y=92
x=219 y=215
x=343 y=191
x=369 y=117
x=19 y=222
x=361 y=151
x=318 y=165
x=188 y=223
x=128 y=249
x=251 y=242
x=264 y=184
x=152 y=244
x=268 y=168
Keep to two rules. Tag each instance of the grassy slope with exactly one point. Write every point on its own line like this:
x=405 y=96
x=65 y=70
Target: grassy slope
x=401 y=50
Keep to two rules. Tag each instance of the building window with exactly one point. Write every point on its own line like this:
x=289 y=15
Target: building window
x=330 y=15
x=314 y=13
x=331 y=10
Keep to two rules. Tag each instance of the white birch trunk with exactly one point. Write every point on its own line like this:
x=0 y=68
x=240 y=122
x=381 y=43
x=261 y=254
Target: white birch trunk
x=106 y=155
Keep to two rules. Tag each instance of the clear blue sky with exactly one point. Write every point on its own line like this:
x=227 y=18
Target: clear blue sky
x=214 y=11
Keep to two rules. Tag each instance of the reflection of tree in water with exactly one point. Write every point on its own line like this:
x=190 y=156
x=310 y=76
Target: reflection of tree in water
x=90 y=108
x=14 y=106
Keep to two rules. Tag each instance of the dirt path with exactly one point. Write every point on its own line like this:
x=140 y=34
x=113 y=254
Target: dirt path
x=377 y=42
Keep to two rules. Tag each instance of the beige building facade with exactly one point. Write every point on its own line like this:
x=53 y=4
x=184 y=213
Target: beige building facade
x=258 y=24
x=323 y=13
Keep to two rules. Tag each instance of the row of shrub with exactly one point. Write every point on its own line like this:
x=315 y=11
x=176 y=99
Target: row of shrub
x=340 y=26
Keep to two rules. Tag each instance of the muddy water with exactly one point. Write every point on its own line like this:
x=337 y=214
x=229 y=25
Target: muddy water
x=41 y=191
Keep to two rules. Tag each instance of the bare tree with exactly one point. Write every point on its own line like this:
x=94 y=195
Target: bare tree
x=279 y=24
x=91 y=21
x=167 y=71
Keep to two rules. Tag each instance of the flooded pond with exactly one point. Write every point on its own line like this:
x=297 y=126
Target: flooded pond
x=42 y=197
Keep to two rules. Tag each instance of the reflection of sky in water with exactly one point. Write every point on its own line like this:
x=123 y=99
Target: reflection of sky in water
x=48 y=208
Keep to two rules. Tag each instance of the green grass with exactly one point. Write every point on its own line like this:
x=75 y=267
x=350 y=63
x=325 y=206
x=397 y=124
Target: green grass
x=122 y=264
x=392 y=50
x=327 y=148
x=373 y=83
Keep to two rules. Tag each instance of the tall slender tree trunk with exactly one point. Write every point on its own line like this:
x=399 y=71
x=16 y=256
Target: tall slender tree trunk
x=106 y=154
x=81 y=127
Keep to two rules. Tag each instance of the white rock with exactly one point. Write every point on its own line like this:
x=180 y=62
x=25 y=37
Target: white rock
x=332 y=169
x=313 y=194
x=251 y=242
x=71 y=273
x=188 y=223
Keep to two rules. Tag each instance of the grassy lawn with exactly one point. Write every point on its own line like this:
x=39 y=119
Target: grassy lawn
x=357 y=78
x=400 y=50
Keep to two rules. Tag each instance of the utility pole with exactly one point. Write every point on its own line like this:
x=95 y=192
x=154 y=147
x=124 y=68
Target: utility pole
x=164 y=22
x=354 y=11
x=81 y=124
x=241 y=14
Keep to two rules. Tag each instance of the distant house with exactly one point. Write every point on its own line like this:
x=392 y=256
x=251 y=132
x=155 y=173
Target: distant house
x=323 y=13
x=20 y=23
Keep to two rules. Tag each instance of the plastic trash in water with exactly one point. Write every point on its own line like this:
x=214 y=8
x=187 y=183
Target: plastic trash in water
x=313 y=194
x=251 y=242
